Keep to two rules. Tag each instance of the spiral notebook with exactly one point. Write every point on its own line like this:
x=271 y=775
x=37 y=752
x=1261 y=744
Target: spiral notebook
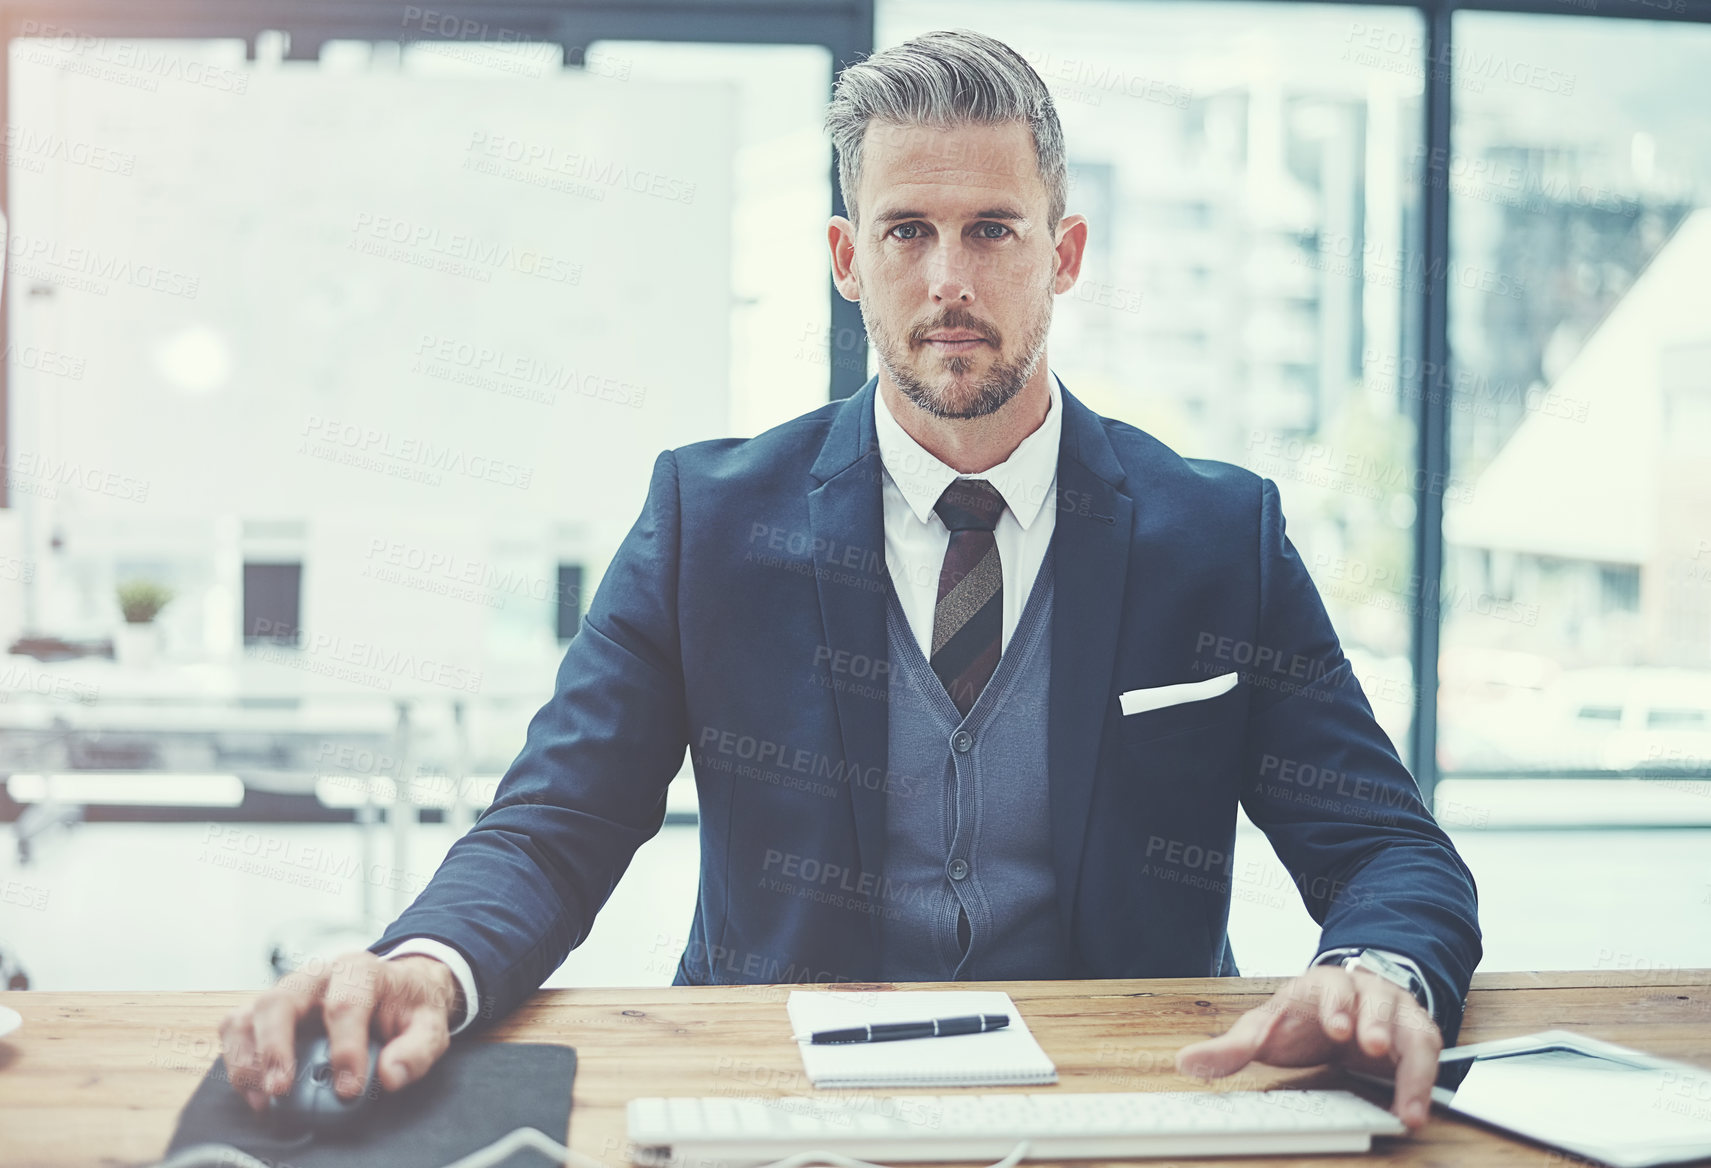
x=994 y=1059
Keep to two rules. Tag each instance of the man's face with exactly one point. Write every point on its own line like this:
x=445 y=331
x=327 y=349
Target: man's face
x=953 y=261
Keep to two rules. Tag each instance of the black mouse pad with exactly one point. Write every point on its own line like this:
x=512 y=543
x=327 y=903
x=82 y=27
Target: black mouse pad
x=477 y=1093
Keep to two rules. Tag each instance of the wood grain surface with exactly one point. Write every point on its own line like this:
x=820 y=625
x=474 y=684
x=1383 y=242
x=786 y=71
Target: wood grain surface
x=99 y=1078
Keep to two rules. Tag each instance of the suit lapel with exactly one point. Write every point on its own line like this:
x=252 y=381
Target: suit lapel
x=1090 y=558
x=846 y=510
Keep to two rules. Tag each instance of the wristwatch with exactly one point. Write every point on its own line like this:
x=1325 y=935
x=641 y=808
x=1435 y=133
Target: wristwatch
x=1392 y=968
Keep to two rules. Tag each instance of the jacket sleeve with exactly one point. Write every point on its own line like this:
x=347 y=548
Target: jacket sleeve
x=1324 y=783
x=520 y=890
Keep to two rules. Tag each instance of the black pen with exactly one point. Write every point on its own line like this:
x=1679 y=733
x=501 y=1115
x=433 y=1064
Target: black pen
x=891 y=1031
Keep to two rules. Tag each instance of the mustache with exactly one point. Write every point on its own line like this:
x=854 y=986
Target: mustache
x=955 y=318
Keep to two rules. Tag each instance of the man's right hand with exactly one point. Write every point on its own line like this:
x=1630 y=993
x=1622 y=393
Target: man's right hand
x=408 y=1002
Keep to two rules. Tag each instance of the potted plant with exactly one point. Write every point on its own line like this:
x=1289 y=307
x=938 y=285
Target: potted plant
x=138 y=640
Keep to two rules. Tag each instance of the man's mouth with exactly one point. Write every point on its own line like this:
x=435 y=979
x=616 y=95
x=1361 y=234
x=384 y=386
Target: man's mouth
x=955 y=341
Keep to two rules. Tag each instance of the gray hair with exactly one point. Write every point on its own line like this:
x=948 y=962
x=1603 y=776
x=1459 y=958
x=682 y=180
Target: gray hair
x=943 y=79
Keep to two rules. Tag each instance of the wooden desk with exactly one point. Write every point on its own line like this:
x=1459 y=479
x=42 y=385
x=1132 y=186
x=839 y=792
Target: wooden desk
x=98 y=1078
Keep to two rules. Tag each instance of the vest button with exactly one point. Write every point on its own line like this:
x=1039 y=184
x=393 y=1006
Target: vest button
x=961 y=741
x=959 y=868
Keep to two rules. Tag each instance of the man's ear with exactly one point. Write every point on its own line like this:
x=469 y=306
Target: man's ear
x=841 y=238
x=1071 y=246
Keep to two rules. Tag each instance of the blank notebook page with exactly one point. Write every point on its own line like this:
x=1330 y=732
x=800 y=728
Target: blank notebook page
x=996 y=1058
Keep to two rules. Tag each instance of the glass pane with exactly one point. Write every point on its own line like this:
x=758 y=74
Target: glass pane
x=781 y=195
x=1577 y=584
x=1249 y=289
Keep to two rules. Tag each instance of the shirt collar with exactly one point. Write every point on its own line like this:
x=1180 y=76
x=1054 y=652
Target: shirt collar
x=1025 y=479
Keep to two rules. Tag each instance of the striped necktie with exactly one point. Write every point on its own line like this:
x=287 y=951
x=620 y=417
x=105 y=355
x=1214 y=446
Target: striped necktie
x=968 y=617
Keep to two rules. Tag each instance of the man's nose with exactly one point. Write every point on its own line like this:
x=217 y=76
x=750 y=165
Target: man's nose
x=950 y=274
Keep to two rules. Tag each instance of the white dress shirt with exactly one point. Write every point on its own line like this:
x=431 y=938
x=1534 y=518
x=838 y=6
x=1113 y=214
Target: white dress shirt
x=916 y=538
x=915 y=543
x=428 y=947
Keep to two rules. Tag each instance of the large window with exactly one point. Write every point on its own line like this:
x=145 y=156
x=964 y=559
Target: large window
x=1577 y=591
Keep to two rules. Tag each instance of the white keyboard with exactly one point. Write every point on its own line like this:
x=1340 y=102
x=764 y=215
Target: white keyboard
x=728 y=1132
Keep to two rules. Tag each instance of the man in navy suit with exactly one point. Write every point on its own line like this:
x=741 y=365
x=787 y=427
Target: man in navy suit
x=972 y=679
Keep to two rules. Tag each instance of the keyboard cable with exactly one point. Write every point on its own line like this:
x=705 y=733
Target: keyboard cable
x=227 y=1156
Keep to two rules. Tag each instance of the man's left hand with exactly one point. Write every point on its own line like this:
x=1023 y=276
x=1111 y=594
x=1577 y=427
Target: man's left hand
x=1332 y=1015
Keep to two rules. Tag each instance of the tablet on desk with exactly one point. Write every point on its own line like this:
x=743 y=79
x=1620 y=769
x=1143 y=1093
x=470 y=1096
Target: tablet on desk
x=1596 y=1099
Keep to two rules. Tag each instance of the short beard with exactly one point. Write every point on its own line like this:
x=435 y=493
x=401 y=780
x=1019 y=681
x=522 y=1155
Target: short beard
x=991 y=394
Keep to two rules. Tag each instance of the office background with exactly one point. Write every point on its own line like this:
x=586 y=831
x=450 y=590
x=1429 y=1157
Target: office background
x=351 y=331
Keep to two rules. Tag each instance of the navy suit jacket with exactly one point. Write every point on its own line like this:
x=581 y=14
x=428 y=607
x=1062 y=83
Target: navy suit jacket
x=743 y=617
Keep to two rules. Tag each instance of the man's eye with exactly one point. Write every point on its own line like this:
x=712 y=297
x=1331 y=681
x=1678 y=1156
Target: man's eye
x=912 y=229
x=993 y=231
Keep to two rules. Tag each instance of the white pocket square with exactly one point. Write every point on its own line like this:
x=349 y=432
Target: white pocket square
x=1156 y=697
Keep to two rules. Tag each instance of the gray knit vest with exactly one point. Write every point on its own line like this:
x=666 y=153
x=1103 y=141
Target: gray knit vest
x=973 y=828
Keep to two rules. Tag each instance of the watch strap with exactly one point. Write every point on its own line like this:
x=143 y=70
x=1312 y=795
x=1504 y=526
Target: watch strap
x=1416 y=983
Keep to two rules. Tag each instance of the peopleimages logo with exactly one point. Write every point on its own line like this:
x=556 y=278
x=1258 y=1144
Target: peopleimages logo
x=366 y=662
x=46 y=361
x=452 y=574
x=510 y=374
x=27 y=148
x=88 y=269
x=38 y=473
x=456 y=252
x=1512 y=184
x=509 y=50
x=544 y=159
x=403 y=455
x=1341 y=254
x=1467 y=67
x=130 y=62
x=1091 y=79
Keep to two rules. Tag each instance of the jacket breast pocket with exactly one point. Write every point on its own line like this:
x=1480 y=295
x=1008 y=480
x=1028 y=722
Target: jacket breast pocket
x=1190 y=707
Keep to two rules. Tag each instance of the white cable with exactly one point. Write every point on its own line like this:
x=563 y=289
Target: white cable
x=226 y=1156
x=213 y=1156
x=802 y=1159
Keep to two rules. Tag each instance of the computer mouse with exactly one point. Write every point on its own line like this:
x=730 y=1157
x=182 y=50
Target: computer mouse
x=312 y=1105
